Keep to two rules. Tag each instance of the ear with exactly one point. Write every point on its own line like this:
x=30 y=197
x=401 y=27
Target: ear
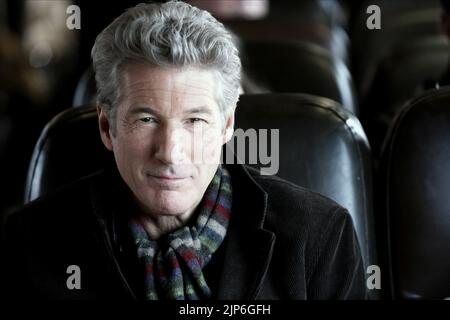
x=105 y=128
x=229 y=129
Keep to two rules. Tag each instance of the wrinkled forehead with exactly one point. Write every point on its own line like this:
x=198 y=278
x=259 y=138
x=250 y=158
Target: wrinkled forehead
x=141 y=83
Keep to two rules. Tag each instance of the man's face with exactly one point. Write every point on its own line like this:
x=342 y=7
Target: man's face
x=168 y=136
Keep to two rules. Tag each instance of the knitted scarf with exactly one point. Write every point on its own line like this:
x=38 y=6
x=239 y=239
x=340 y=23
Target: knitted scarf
x=173 y=264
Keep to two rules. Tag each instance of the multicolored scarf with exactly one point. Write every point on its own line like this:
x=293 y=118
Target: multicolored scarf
x=173 y=267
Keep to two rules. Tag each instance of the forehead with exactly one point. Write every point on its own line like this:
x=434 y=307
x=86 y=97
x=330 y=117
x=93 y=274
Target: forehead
x=144 y=83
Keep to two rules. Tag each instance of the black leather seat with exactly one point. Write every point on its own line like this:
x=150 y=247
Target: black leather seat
x=314 y=21
x=86 y=90
x=322 y=147
x=69 y=148
x=402 y=21
x=406 y=70
x=297 y=67
x=416 y=165
x=403 y=74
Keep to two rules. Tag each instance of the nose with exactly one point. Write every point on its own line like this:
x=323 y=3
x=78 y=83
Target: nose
x=169 y=145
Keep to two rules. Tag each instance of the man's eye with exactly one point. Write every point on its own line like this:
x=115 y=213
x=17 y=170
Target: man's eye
x=197 y=120
x=147 y=119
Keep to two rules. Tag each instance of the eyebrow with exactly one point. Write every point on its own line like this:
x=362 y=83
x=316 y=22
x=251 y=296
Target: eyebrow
x=150 y=110
x=142 y=109
x=201 y=109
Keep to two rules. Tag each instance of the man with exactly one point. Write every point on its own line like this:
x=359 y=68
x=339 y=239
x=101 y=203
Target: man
x=167 y=221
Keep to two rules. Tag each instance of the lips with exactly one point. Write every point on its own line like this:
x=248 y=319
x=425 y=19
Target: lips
x=167 y=182
x=169 y=178
x=167 y=173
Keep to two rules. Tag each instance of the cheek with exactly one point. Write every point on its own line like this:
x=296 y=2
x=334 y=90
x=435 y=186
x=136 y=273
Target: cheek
x=210 y=146
x=131 y=148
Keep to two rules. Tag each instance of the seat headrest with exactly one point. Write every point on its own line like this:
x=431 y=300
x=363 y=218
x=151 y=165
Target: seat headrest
x=298 y=67
x=68 y=148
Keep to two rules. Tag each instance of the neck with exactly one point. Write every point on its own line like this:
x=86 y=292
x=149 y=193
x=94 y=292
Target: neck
x=164 y=224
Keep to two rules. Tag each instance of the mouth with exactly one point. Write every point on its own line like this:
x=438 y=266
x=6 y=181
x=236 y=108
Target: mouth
x=167 y=178
x=167 y=182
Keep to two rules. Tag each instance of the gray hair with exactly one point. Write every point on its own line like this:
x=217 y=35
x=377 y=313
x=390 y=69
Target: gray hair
x=166 y=34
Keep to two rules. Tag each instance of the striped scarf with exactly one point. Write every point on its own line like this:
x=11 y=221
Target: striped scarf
x=173 y=266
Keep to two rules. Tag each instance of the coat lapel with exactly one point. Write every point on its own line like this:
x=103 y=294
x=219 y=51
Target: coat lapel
x=248 y=247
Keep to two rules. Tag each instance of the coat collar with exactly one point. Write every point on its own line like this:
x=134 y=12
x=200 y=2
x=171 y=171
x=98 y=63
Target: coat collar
x=248 y=246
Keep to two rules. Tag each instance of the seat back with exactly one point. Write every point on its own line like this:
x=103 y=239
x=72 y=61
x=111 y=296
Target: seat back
x=416 y=163
x=86 y=90
x=69 y=148
x=402 y=21
x=297 y=67
x=406 y=71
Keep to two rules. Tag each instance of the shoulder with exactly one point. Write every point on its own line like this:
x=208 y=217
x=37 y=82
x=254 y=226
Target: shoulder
x=65 y=207
x=295 y=209
x=286 y=195
x=316 y=232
